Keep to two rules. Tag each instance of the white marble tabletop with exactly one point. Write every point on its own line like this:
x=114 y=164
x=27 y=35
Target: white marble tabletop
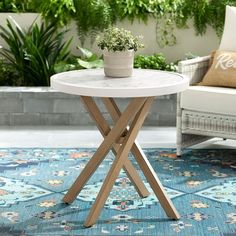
x=143 y=83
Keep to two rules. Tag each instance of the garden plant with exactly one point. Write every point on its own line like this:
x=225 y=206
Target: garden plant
x=30 y=62
x=92 y=16
x=34 y=52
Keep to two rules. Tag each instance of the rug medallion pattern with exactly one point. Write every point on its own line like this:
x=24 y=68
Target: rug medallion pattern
x=201 y=184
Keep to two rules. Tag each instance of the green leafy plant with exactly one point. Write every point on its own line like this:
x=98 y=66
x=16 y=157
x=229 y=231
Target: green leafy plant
x=115 y=39
x=8 y=74
x=134 y=9
x=164 y=11
x=155 y=61
x=204 y=13
x=92 y=16
x=169 y=13
x=19 y=5
x=59 y=11
x=33 y=52
x=88 y=60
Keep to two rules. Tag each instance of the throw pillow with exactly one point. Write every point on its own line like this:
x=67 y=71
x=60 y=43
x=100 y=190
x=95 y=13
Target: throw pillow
x=228 y=40
x=222 y=72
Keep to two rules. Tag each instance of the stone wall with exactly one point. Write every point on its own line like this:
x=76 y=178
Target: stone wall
x=44 y=106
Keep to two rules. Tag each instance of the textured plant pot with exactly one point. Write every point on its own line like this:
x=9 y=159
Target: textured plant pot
x=118 y=64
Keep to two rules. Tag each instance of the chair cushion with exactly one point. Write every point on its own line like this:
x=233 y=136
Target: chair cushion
x=229 y=37
x=209 y=99
x=222 y=71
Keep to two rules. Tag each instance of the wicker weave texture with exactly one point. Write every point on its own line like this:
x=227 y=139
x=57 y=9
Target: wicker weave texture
x=195 y=69
x=208 y=123
x=195 y=126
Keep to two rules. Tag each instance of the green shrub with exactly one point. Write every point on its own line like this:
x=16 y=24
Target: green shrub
x=87 y=60
x=58 y=11
x=8 y=74
x=90 y=60
x=155 y=61
x=92 y=17
x=19 y=5
x=33 y=52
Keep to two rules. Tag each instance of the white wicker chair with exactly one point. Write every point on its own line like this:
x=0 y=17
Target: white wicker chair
x=195 y=125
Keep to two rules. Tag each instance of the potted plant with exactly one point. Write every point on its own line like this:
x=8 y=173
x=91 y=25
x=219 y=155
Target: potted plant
x=119 y=46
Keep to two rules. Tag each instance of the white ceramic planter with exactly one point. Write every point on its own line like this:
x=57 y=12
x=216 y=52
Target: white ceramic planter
x=118 y=64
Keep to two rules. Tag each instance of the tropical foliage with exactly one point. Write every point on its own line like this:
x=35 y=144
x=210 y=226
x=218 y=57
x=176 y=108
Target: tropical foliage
x=96 y=15
x=33 y=52
x=19 y=5
x=90 y=60
x=204 y=13
x=57 y=11
x=92 y=16
x=33 y=55
x=87 y=60
x=8 y=74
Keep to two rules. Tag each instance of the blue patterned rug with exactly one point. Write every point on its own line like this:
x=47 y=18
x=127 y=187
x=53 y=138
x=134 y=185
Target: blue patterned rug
x=202 y=185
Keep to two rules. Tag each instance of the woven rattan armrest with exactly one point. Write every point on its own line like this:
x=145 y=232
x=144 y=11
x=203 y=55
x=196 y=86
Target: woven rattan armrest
x=195 y=68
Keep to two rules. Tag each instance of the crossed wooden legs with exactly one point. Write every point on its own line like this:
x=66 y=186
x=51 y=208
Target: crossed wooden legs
x=135 y=112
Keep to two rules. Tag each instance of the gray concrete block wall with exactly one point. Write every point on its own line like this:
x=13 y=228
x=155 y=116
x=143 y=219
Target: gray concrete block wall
x=11 y=105
x=43 y=106
x=38 y=105
x=24 y=119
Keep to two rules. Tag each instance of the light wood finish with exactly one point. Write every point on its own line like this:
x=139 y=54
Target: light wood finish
x=112 y=108
x=145 y=166
x=118 y=162
x=104 y=128
x=104 y=148
x=155 y=183
x=137 y=109
x=142 y=87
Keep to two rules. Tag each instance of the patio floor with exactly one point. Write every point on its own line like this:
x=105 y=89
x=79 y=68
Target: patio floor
x=55 y=136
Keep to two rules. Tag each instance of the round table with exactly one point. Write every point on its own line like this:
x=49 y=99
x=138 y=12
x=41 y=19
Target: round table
x=142 y=87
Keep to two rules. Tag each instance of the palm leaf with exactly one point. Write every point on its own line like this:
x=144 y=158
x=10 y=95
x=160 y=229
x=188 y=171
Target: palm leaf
x=34 y=52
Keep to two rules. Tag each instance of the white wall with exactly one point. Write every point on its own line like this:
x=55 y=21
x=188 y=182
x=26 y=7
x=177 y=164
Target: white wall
x=187 y=41
x=23 y=19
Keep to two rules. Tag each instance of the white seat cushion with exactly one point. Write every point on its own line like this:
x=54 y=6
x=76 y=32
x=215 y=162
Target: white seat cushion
x=209 y=99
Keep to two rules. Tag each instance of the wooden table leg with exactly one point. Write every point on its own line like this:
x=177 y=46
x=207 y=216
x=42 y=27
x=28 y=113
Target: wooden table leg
x=118 y=162
x=131 y=110
x=144 y=164
x=104 y=128
x=155 y=183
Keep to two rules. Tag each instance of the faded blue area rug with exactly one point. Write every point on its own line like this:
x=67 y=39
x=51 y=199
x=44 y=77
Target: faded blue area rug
x=202 y=185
